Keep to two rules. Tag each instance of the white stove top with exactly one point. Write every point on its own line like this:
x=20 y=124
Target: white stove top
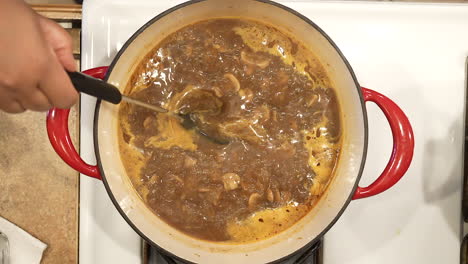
x=413 y=53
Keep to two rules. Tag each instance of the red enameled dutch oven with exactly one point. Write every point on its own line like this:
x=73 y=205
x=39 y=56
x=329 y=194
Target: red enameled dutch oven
x=342 y=189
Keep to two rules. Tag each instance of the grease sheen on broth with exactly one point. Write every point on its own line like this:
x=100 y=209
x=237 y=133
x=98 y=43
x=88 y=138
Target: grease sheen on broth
x=279 y=111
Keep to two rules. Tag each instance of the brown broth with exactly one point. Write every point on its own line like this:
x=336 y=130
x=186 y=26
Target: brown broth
x=279 y=111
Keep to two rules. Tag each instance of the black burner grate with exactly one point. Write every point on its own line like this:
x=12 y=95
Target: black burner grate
x=310 y=255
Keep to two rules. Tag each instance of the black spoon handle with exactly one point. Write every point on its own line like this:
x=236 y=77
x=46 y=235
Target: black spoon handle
x=95 y=87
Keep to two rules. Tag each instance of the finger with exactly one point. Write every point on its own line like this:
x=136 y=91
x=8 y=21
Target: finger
x=60 y=41
x=10 y=105
x=14 y=107
x=36 y=101
x=57 y=87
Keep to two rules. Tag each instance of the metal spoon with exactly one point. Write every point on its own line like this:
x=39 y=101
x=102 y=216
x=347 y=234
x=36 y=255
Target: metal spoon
x=186 y=120
x=4 y=249
x=108 y=92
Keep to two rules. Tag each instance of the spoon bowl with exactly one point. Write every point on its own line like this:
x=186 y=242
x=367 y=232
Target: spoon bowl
x=186 y=111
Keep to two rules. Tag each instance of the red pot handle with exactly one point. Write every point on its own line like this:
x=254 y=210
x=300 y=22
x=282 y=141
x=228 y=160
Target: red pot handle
x=403 y=145
x=59 y=136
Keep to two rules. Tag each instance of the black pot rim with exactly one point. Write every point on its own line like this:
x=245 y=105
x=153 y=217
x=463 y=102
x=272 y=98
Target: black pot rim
x=312 y=24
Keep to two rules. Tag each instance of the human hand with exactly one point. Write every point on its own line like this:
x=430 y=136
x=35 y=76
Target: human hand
x=34 y=54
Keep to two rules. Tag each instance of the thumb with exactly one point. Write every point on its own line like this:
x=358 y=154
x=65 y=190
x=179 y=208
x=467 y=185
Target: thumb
x=60 y=42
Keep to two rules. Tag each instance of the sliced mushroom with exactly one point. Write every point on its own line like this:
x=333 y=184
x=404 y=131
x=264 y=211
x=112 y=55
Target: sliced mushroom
x=217 y=91
x=246 y=94
x=254 y=200
x=254 y=59
x=265 y=112
x=234 y=81
x=216 y=198
x=277 y=195
x=319 y=114
x=220 y=158
x=270 y=196
x=231 y=181
x=203 y=190
x=189 y=162
x=219 y=48
x=177 y=178
x=148 y=122
x=274 y=115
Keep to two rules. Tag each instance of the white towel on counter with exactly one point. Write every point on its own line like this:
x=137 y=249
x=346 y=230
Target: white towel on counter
x=24 y=248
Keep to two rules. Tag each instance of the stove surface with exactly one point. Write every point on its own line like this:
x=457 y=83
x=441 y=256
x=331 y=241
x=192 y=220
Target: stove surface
x=413 y=53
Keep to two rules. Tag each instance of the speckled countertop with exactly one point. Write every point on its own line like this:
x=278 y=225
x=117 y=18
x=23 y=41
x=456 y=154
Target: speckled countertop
x=38 y=191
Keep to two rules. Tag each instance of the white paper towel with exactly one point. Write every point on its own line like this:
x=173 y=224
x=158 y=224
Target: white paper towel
x=24 y=248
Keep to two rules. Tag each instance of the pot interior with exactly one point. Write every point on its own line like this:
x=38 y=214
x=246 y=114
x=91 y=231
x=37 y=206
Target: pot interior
x=347 y=172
